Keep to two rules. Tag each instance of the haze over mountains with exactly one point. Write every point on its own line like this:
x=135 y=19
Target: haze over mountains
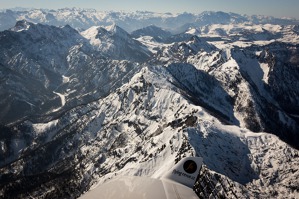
x=130 y=21
x=87 y=96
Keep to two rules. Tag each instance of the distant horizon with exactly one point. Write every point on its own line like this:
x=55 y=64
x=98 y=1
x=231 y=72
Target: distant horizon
x=273 y=8
x=132 y=11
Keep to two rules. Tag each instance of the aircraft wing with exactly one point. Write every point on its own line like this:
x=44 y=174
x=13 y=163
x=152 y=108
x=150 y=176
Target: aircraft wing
x=176 y=184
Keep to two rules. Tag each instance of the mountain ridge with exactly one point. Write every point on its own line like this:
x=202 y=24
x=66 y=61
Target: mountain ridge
x=222 y=92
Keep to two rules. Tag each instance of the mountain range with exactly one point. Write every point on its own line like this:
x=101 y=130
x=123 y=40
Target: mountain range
x=82 y=19
x=87 y=96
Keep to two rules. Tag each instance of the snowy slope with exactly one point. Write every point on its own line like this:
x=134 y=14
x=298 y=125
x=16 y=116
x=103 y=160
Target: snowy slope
x=116 y=43
x=87 y=107
x=143 y=129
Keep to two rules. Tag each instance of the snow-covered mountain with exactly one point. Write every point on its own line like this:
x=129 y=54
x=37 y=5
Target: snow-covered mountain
x=116 y=43
x=31 y=69
x=130 y=21
x=155 y=32
x=81 y=107
x=48 y=69
x=142 y=129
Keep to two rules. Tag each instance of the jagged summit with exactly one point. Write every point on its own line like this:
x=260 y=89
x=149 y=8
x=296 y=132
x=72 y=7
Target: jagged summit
x=21 y=25
x=116 y=43
x=115 y=29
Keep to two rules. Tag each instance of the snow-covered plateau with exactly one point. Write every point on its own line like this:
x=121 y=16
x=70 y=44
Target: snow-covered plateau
x=88 y=96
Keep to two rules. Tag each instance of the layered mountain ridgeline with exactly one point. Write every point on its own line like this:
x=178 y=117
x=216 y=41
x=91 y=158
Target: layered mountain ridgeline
x=82 y=19
x=79 y=108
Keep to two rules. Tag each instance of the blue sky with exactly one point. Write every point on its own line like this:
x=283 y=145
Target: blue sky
x=277 y=8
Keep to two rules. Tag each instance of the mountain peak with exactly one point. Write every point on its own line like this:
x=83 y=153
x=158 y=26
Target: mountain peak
x=21 y=25
x=116 y=43
x=98 y=32
x=112 y=27
x=116 y=30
